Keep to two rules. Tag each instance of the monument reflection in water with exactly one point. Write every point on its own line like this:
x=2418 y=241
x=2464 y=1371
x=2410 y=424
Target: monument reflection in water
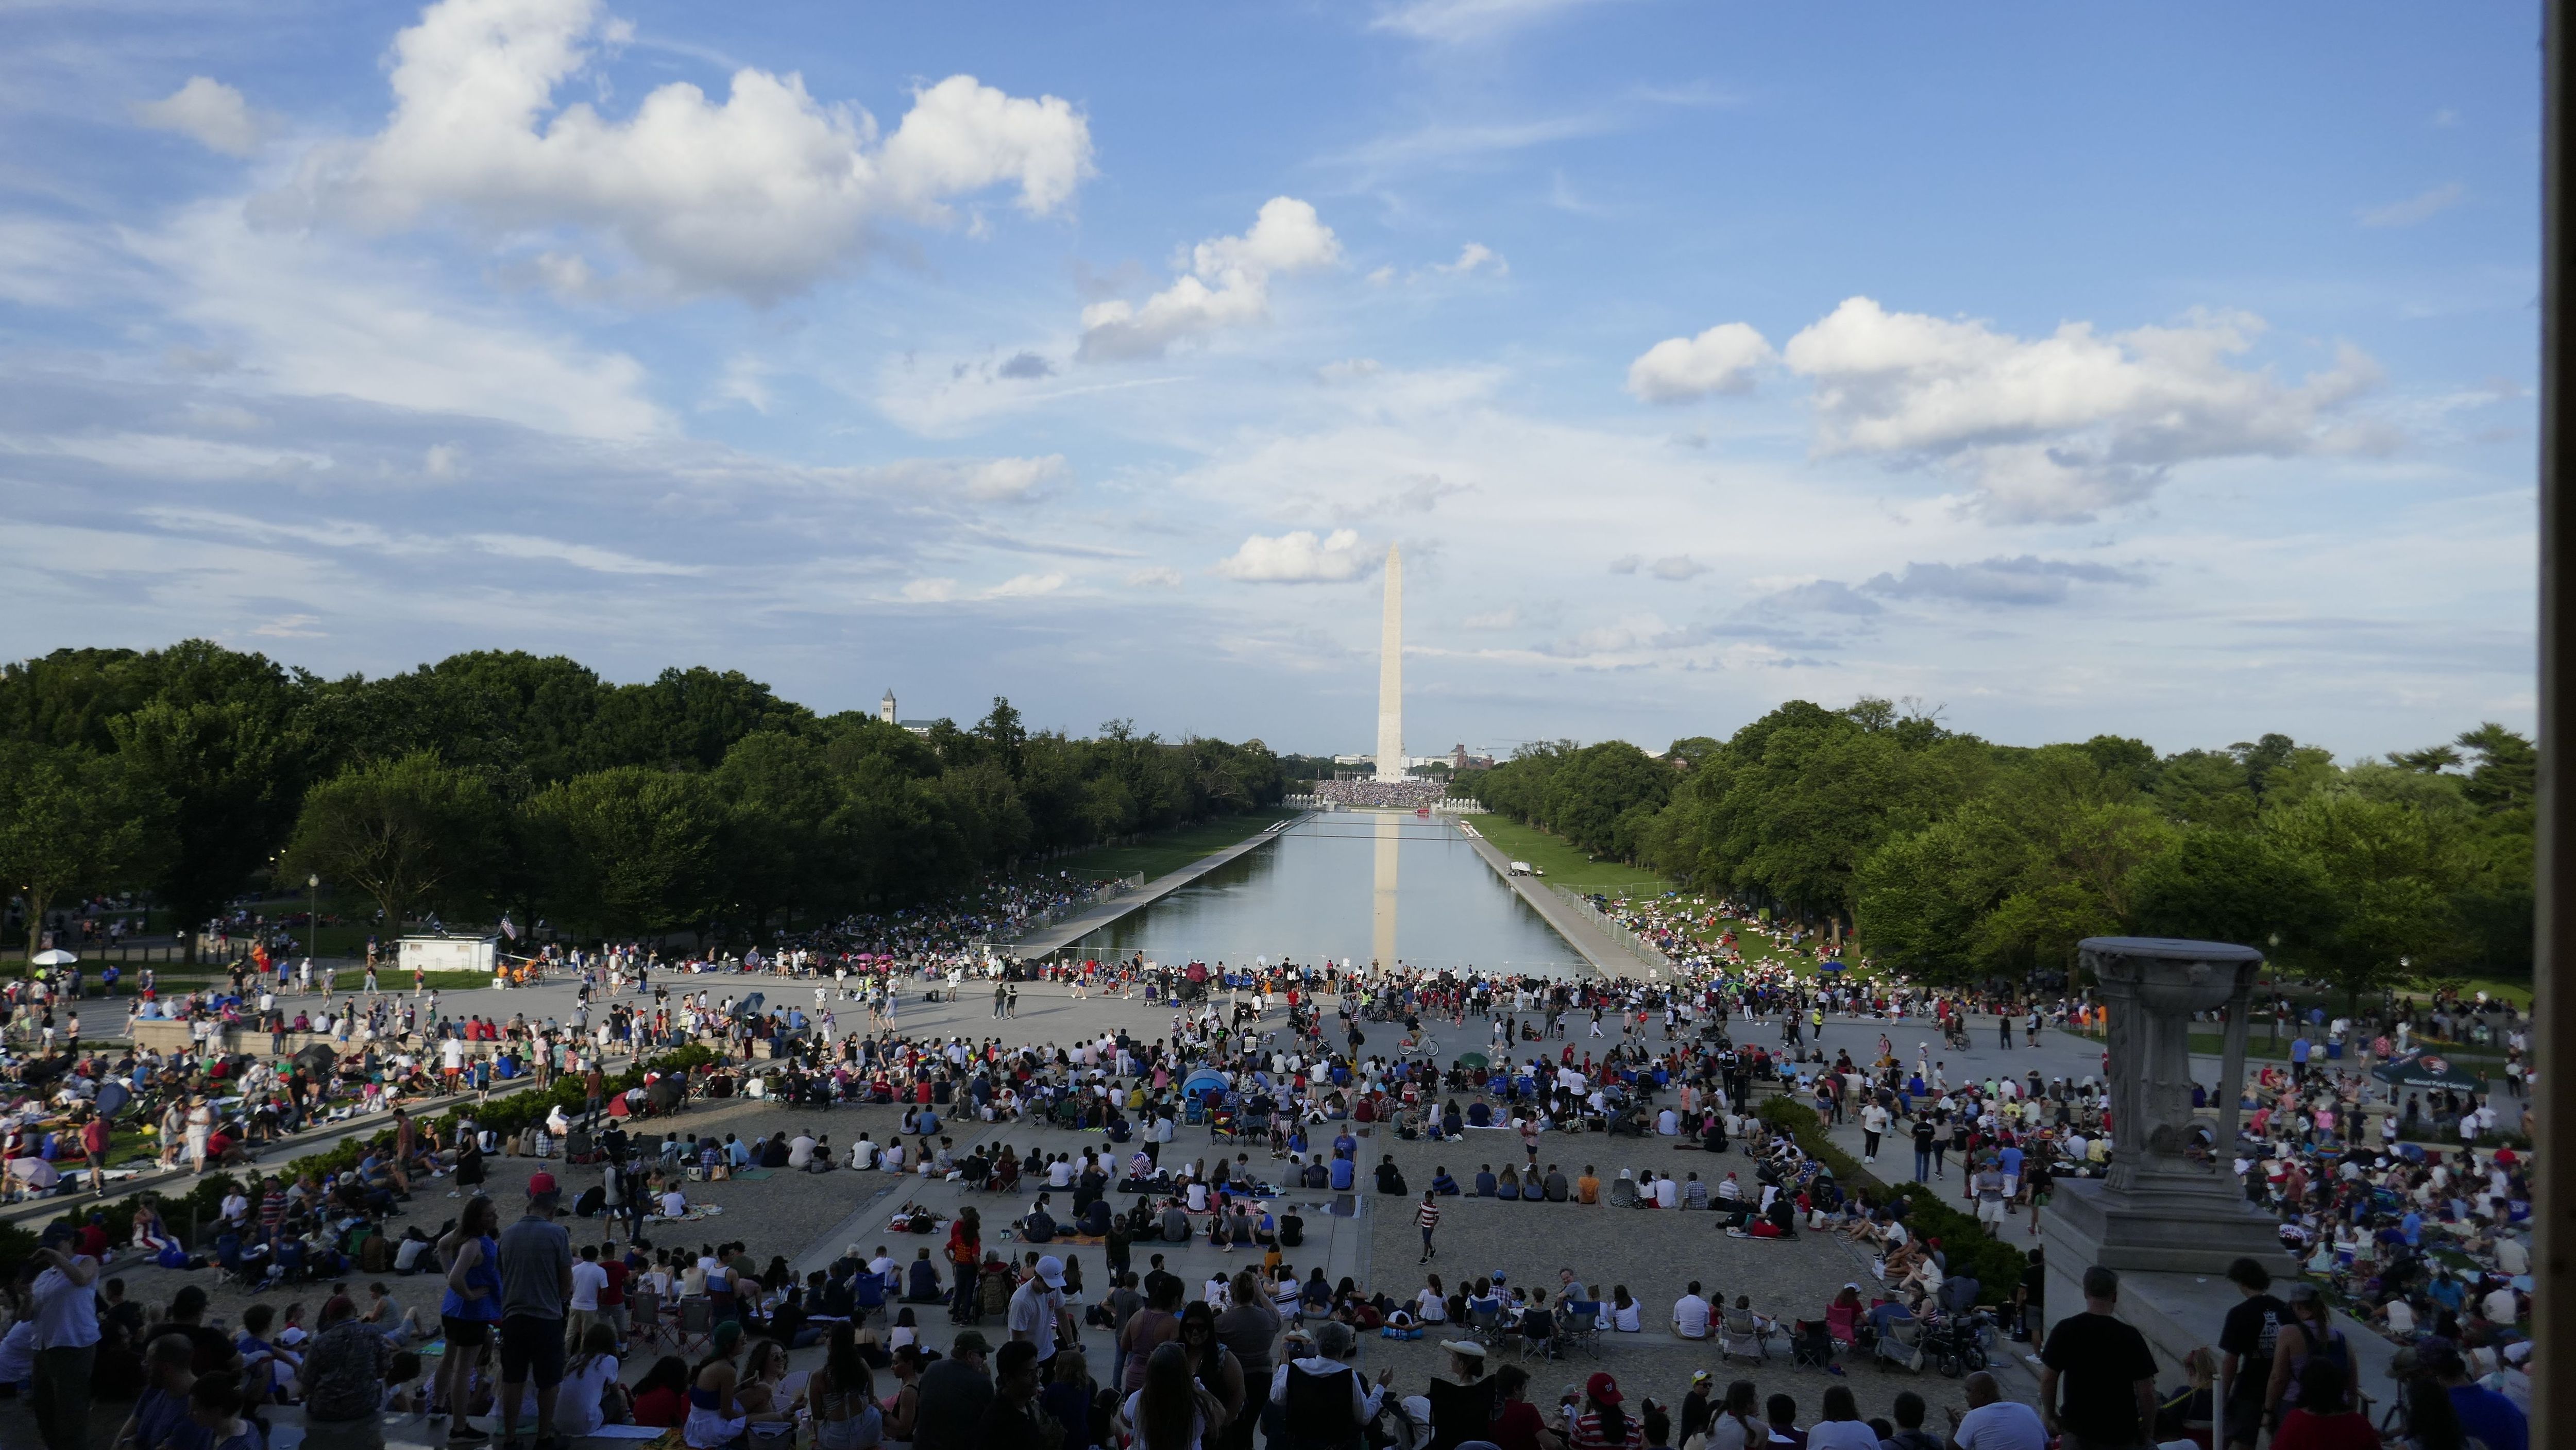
x=1357 y=885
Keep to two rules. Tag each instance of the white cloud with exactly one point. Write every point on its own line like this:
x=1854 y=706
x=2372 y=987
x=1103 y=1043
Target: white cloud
x=2062 y=426
x=983 y=480
x=1300 y=558
x=207 y=111
x=442 y=460
x=1720 y=360
x=1678 y=567
x=759 y=195
x=1473 y=257
x=929 y=591
x=1454 y=22
x=307 y=318
x=2421 y=207
x=1227 y=285
x=1627 y=563
x=1507 y=617
x=1155 y=577
x=1024 y=586
x=291 y=626
x=579 y=556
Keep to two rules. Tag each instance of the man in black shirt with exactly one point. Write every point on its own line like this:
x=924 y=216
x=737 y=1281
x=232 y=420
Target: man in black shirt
x=1013 y=1418
x=2245 y=1344
x=954 y=1393
x=2105 y=1370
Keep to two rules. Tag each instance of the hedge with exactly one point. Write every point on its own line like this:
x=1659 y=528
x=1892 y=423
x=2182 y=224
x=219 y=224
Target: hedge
x=1965 y=1244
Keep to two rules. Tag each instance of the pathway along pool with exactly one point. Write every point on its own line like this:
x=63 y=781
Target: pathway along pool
x=1363 y=885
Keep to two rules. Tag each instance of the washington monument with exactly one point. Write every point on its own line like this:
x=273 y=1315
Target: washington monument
x=1390 y=673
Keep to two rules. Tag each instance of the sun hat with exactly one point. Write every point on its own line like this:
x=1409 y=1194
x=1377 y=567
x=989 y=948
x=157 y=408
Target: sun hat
x=1466 y=1347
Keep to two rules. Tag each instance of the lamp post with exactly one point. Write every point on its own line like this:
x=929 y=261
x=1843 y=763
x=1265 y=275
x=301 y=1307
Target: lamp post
x=312 y=912
x=2275 y=941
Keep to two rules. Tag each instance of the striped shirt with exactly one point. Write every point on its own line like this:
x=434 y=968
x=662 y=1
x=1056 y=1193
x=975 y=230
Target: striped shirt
x=1428 y=1216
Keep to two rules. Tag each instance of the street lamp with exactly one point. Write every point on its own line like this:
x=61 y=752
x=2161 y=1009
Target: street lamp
x=312 y=912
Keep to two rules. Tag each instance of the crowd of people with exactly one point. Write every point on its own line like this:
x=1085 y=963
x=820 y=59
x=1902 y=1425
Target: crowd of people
x=2425 y=1246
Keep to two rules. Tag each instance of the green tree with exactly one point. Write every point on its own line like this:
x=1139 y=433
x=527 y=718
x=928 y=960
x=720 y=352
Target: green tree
x=72 y=822
x=631 y=850
x=413 y=834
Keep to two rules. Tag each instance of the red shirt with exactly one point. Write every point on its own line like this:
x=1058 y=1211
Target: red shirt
x=1517 y=1427
x=2301 y=1430
x=613 y=1292
x=665 y=1407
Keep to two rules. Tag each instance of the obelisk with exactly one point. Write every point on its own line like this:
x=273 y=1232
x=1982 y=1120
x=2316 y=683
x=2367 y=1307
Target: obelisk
x=1390 y=673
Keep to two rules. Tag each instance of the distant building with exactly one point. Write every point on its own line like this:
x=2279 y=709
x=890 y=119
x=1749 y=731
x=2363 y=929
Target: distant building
x=886 y=712
x=1461 y=762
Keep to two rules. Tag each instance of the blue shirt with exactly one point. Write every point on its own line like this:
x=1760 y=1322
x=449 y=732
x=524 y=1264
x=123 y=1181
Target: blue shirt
x=2491 y=1418
x=1341 y=1175
x=2299 y=1049
x=2011 y=1158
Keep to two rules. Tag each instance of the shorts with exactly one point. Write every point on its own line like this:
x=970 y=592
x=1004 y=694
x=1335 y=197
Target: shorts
x=532 y=1349
x=1990 y=1210
x=468 y=1333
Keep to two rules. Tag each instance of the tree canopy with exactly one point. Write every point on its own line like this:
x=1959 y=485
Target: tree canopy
x=501 y=779
x=1956 y=859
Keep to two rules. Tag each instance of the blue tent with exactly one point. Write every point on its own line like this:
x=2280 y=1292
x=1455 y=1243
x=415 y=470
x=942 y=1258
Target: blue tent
x=1203 y=1083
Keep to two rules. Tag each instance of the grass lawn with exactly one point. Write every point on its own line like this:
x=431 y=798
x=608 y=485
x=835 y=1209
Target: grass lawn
x=1168 y=851
x=1565 y=863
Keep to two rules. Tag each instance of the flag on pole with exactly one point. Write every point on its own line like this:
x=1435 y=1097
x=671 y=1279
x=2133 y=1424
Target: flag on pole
x=509 y=928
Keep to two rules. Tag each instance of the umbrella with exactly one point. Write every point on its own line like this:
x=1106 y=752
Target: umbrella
x=2427 y=1070
x=53 y=957
x=112 y=1097
x=1474 y=1059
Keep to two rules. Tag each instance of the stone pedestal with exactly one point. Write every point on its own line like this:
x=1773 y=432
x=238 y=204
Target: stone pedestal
x=2171 y=1203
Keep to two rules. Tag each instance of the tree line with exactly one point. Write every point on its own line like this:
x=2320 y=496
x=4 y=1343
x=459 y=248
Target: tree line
x=1958 y=860
x=493 y=781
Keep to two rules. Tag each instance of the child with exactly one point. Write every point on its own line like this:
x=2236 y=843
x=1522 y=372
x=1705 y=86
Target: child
x=401 y=1394
x=215 y=1408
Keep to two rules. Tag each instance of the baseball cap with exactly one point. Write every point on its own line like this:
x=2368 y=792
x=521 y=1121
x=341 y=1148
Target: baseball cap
x=1701 y=1377
x=1051 y=1269
x=1603 y=1388
x=540 y=1183
x=728 y=1334
x=971 y=1342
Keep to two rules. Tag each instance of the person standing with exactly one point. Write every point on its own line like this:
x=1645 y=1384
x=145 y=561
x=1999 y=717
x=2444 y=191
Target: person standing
x=1427 y=1218
x=536 y=1281
x=2246 y=1341
x=66 y=1314
x=1037 y=1313
x=953 y=1395
x=2105 y=1372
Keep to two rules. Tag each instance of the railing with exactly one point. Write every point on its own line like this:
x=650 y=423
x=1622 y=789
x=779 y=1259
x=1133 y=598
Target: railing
x=1110 y=891
x=1611 y=927
x=1456 y=805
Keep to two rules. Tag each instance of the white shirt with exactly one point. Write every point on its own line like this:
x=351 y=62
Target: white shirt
x=2003 y=1425
x=1034 y=1308
x=66 y=1313
x=1841 y=1435
x=1690 y=1317
x=588 y=1278
x=800 y=1151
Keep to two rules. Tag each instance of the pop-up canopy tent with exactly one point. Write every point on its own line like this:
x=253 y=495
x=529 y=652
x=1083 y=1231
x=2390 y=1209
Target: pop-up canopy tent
x=2425 y=1068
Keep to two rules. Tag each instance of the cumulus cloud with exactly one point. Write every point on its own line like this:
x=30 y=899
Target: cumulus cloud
x=1154 y=577
x=1678 y=567
x=1025 y=365
x=1227 y=285
x=1300 y=558
x=2062 y=426
x=758 y=195
x=1627 y=563
x=2422 y=207
x=207 y=111
x=1720 y=360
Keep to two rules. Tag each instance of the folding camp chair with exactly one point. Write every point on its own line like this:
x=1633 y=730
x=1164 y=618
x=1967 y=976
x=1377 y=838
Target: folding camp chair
x=1581 y=1326
x=697 y=1324
x=644 y=1324
x=1738 y=1337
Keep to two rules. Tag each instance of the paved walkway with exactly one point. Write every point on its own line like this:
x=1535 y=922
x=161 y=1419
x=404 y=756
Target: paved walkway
x=1074 y=928
x=1604 y=952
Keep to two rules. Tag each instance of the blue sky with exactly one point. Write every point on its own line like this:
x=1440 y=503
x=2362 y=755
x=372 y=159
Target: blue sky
x=2164 y=372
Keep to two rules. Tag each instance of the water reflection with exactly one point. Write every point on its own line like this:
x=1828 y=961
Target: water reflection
x=1355 y=885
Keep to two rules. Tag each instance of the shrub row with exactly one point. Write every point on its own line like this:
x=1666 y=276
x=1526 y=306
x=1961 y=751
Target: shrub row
x=1965 y=1244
